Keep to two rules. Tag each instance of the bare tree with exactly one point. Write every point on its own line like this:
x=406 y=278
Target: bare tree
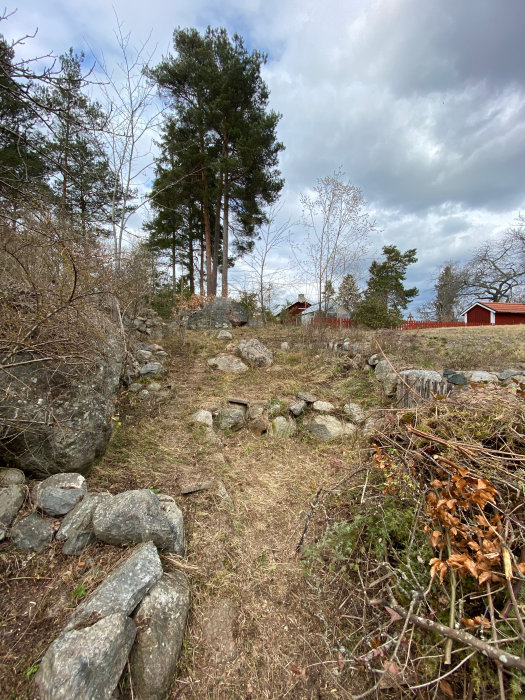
x=134 y=116
x=265 y=277
x=496 y=271
x=337 y=230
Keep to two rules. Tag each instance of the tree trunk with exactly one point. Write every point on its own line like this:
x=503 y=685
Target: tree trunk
x=225 y=240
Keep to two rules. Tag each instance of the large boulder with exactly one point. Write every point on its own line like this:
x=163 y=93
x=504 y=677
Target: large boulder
x=160 y=619
x=77 y=527
x=139 y=516
x=326 y=427
x=123 y=589
x=86 y=663
x=219 y=313
x=60 y=419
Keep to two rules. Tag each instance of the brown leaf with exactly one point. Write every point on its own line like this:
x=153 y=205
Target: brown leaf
x=297 y=671
x=341 y=661
x=391 y=667
x=435 y=537
x=446 y=688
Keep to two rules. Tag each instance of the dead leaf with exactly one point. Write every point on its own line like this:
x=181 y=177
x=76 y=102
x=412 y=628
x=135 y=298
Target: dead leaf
x=394 y=617
x=446 y=688
x=297 y=671
x=341 y=661
x=391 y=667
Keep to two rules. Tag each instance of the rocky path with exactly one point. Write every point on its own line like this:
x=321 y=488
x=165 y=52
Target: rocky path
x=259 y=627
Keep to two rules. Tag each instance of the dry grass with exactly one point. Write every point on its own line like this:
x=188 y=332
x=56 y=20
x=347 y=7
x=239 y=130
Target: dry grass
x=286 y=623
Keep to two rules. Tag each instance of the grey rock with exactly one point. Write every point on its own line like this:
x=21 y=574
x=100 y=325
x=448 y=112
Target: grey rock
x=285 y=346
x=59 y=493
x=11 y=500
x=228 y=363
x=256 y=353
x=66 y=417
x=174 y=515
x=481 y=377
x=229 y=419
x=161 y=619
x=457 y=378
x=388 y=378
x=202 y=417
x=223 y=494
x=136 y=516
x=412 y=375
x=11 y=477
x=152 y=369
x=124 y=588
x=219 y=313
x=143 y=394
x=86 y=664
x=32 y=534
x=374 y=359
x=155 y=348
x=143 y=356
x=354 y=412
x=326 y=427
x=162 y=354
x=259 y=425
x=224 y=335
x=305 y=396
x=135 y=387
x=502 y=376
x=196 y=486
x=154 y=386
x=280 y=427
x=298 y=408
x=323 y=407
x=255 y=410
x=449 y=372
x=382 y=370
x=77 y=527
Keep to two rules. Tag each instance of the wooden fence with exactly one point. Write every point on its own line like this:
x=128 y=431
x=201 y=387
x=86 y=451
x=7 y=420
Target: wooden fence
x=405 y=326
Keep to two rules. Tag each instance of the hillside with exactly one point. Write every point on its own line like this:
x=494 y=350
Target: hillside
x=296 y=547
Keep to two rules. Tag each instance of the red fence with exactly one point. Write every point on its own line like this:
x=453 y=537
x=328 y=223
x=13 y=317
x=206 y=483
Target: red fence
x=406 y=326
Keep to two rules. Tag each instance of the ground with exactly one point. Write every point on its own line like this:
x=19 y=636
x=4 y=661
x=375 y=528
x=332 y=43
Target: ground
x=262 y=624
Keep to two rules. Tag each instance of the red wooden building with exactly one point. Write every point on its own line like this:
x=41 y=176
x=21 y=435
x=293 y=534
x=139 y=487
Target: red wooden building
x=296 y=308
x=494 y=313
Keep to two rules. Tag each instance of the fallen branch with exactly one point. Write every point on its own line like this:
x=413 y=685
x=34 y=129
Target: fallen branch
x=503 y=657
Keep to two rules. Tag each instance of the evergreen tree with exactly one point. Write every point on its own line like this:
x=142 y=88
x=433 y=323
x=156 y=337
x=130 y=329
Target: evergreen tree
x=21 y=163
x=220 y=99
x=349 y=294
x=81 y=175
x=385 y=297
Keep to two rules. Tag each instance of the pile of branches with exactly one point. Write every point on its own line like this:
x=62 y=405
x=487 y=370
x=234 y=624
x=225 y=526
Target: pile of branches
x=452 y=578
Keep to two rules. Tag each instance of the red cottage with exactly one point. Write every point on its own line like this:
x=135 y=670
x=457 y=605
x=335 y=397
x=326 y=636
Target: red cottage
x=494 y=313
x=296 y=308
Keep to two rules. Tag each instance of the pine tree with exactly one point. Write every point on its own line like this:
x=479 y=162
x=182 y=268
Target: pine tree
x=349 y=295
x=220 y=99
x=385 y=297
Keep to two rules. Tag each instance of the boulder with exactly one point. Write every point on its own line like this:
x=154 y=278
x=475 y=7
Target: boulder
x=416 y=385
x=219 y=313
x=326 y=427
x=502 y=376
x=305 y=396
x=152 y=369
x=123 y=589
x=63 y=417
x=203 y=418
x=59 y=493
x=257 y=354
x=11 y=500
x=160 y=619
x=77 y=526
x=138 y=516
x=224 y=335
x=354 y=413
x=229 y=419
x=11 y=477
x=298 y=408
x=457 y=378
x=481 y=377
x=387 y=377
x=228 y=363
x=281 y=427
x=323 y=407
x=32 y=534
x=87 y=663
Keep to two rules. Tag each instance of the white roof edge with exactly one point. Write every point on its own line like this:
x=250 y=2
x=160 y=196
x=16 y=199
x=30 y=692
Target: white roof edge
x=477 y=303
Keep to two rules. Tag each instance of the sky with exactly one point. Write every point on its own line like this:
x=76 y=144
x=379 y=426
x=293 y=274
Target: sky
x=420 y=103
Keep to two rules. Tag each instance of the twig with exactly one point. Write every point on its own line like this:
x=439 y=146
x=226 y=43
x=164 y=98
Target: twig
x=308 y=518
x=452 y=612
x=495 y=638
x=448 y=673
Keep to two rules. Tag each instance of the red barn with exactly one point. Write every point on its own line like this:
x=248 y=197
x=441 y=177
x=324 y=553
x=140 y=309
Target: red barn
x=494 y=313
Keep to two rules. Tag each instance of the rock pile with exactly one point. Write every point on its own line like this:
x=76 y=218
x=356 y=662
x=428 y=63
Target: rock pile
x=138 y=612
